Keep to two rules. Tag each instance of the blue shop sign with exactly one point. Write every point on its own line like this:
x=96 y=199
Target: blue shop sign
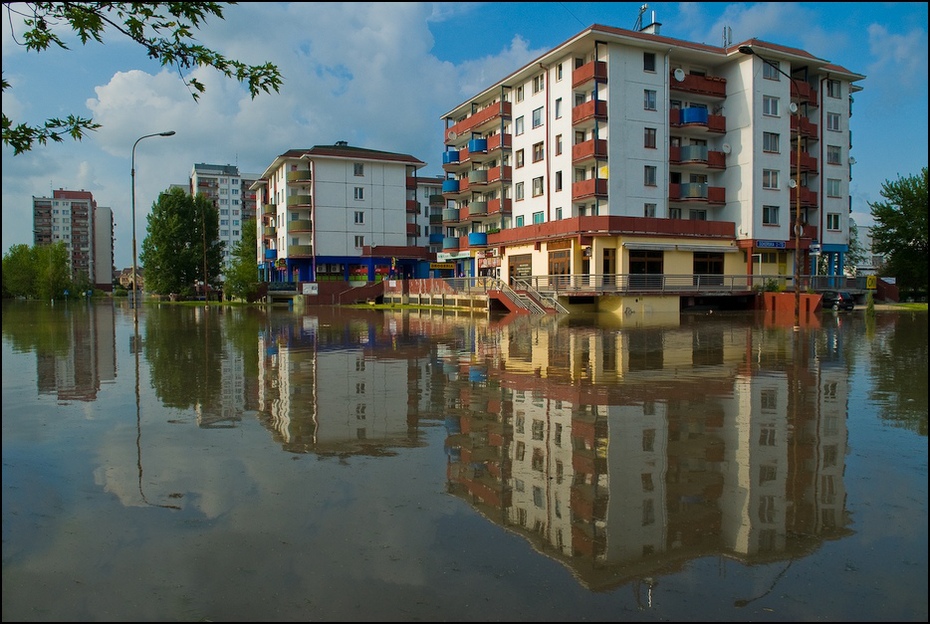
x=763 y=244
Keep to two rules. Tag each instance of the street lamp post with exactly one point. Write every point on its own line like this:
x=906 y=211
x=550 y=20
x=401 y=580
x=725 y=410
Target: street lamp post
x=135 y=289
x=745 y=49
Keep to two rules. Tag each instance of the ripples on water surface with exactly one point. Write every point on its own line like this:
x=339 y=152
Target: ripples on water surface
x=336 y=464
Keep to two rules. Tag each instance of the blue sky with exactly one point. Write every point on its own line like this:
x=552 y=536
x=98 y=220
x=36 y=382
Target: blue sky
x=381 y=75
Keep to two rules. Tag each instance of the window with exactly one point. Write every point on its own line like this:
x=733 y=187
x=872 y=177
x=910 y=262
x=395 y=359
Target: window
x=770 y=142
x=833 y=187
x=833 y=122
x=359 y=169
x=558 y=213
x=558 y=144
x=359 y=217
x=674 y=213
x=833 y=89
x=518 y=126
x=833 y=154
x=649 y=61
x=519 y=158
x=769 y=179
x=558 y=108
x=771 y=70
x=649 y=99
x=697 y=215
x=649 y=138
x=770 y=106
x=649 y=175
x=539 y=82
x=537 y=186
x=520 y=221
x=558 y=180
x=538 y=152
x=833 y=221
x=518 y=191
x=359 y=192
x=520 y=93
x=649 y=210
x=537 y=117
x=538 y=217
x=769 y=215
x=359 y=242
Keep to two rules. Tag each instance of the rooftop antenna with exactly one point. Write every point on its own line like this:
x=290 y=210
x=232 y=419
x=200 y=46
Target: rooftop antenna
x=727 y=36
x=639 y=18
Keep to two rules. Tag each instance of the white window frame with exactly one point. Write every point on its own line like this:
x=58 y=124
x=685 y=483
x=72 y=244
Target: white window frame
x=771 y=143
x=833 y=122
x=649 y=99
x=833 y=187
x=770 y=106
x=770 y=179
x=650 y=175
x=537 y=117
x=359 y=193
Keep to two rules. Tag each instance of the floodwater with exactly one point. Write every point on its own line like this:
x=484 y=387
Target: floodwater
x=238 y=464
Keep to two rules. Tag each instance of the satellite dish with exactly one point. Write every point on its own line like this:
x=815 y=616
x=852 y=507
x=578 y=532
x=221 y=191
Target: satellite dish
x=793 y=107
x=726 y=148
x=852 y=161
x=792 y=183
x=453 y=135
x=679 y=74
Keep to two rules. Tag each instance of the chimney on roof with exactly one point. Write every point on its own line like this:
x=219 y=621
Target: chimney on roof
x=342 y=143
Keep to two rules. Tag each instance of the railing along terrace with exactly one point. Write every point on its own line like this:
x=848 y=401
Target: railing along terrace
x=651 y=284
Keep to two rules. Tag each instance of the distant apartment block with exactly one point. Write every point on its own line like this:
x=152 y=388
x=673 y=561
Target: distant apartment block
x=86 y=229
x=228 y=189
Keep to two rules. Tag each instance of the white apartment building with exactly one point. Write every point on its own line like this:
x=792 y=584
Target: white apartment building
x=228 y=189
x=339 y=213
x=86 y=229
x=625 y=152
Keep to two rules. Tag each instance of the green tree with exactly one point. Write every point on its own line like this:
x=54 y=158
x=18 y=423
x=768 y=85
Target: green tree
x=242 y=272
x=900 y=231
x=166 y=31
x=19 y=272
x=53 y=270
x=173 y=254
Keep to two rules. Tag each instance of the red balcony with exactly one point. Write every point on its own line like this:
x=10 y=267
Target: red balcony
x=589 y=150
x=595 y=70
x=467 y=125
x=703 y=85
x=592 y=109
x=594 y=187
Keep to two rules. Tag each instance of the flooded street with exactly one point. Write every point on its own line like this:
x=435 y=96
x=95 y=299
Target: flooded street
x=239 y=464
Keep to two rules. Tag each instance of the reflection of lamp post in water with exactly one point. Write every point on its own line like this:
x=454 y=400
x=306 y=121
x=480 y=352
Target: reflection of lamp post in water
x=137 y=346
x=132 y=173
x=745 y=49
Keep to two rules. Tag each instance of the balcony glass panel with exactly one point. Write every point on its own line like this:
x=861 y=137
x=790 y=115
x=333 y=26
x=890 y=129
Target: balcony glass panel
x=694 y=115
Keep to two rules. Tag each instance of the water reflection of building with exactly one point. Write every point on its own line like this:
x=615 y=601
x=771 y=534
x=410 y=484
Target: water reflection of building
x=626 y=454
x=339 y=392
x=83 y=359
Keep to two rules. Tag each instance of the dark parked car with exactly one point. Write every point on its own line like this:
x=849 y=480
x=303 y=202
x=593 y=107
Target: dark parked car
x=837 y=300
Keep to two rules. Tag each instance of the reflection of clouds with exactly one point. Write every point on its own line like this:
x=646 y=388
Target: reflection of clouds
x=225 y=476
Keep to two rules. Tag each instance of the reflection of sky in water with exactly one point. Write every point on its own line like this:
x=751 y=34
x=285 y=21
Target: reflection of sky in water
x=268 y=534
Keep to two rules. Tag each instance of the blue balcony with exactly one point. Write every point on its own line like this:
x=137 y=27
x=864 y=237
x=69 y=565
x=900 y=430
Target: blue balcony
x=450 y=186
x=477 y=239
x=435 y=239
x=477 y=145
x=695 y=115
x=450 y=157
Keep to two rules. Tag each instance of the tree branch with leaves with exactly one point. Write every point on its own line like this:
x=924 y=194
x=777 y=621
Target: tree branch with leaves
x=166 y=31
